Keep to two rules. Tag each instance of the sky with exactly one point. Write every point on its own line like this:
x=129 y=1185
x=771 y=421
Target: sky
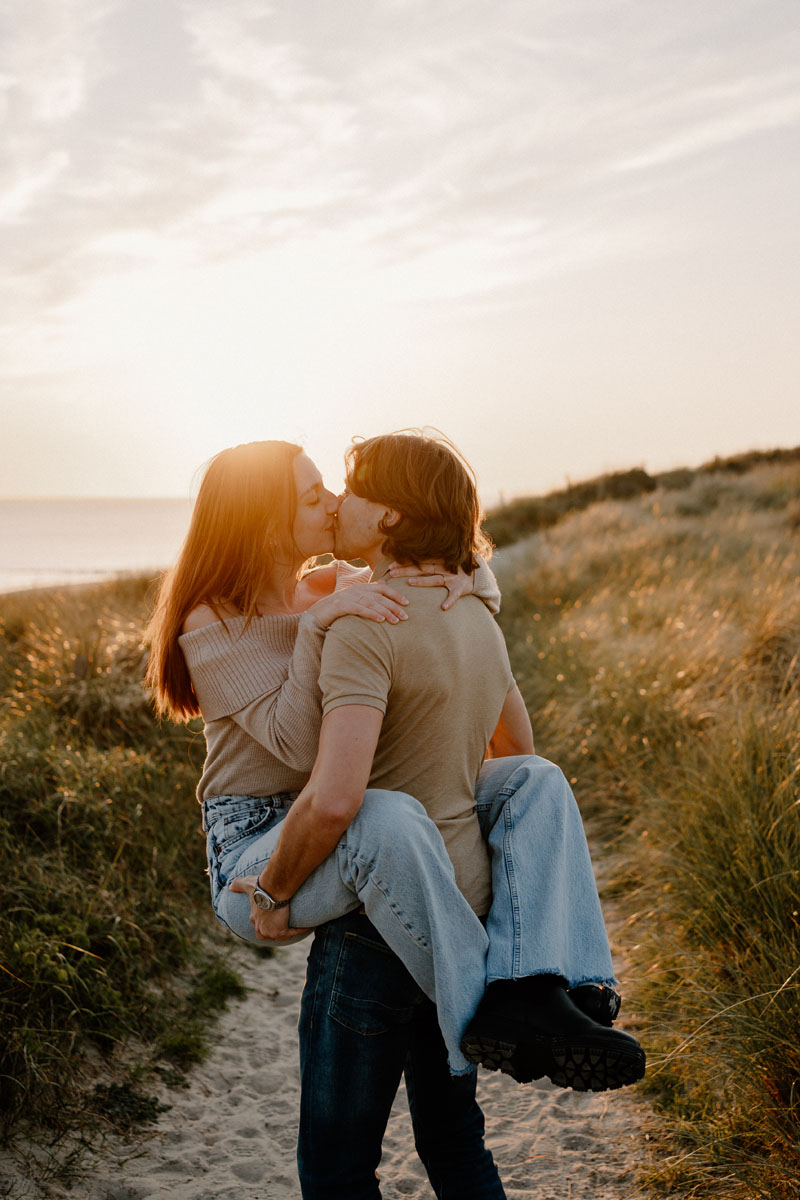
x=564 y=232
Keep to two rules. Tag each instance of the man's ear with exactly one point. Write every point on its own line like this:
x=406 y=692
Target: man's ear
x=391 y=518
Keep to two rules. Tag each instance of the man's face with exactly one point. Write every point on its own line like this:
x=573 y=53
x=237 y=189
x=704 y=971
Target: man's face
x=357 y=534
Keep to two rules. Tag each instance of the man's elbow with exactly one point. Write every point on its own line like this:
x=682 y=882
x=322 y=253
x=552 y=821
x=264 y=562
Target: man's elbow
x=335 y=811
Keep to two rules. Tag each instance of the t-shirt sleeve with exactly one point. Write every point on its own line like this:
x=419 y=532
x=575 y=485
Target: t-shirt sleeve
x=357 y=664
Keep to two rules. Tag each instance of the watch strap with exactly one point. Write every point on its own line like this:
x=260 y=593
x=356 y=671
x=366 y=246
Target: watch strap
x=274 y=903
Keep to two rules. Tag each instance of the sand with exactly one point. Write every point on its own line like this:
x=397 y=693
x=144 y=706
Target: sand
x=230 y=1135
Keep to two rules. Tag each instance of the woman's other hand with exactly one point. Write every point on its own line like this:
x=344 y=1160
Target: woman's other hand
x=269 y=926
x=432 y=574
x=377 y=601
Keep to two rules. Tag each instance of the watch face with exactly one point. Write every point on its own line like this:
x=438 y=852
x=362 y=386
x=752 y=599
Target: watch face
x=263 y=900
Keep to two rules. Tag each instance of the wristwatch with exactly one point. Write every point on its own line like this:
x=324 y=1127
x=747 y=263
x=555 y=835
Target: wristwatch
x=265 y=901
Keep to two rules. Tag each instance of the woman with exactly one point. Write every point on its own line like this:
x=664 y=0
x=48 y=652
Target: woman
x=238 y=637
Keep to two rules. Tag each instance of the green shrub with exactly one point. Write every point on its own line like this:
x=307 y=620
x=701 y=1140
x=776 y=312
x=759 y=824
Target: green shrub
x=103 y=895
x=531 y=514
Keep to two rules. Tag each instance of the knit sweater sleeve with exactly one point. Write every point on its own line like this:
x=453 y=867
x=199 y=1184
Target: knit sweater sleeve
x=287 y=723
x=485 y=586
x=265 y=678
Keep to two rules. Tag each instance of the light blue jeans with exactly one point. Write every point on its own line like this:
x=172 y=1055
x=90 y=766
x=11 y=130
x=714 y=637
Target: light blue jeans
x=545 y=915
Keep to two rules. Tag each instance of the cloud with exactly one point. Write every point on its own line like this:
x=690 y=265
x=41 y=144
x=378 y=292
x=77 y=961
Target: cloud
x=44 y=77
x=711 y=130
x=45 y=53
x=495 y=145
x=237 y=44
x=19 y=197
x=202 y=199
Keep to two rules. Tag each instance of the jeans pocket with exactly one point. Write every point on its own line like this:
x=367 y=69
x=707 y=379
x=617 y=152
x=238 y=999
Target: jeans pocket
x=213 y=849
x=372 y=991
x=227 y=840
x=246 y=823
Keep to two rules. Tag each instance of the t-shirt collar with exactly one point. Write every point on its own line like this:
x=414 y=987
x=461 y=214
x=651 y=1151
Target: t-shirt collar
x=381 y=569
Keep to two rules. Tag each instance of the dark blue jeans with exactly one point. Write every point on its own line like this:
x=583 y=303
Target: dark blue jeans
x=363 y=1022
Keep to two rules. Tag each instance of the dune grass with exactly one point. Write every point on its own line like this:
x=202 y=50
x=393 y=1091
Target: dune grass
x=507 y=523
x=656 y=642
x=105 y=927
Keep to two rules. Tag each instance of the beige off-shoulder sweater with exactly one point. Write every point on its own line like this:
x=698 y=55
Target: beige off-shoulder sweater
x=257 y=687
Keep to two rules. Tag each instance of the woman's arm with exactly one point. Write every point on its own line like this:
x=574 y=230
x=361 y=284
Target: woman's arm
x=278 y=703
x=282 y=712
x=480 y=583
x=485 y=586
x=286 y=721
x=377 y=601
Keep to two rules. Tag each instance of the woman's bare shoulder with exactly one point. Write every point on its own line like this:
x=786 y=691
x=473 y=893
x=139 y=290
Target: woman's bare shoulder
x=321 y=581
x=204 y=615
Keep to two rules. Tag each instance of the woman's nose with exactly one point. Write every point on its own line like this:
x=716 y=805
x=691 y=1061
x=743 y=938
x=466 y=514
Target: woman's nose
x=332 y=503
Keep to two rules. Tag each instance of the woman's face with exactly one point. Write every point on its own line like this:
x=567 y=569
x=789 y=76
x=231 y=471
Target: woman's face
x=316 y=509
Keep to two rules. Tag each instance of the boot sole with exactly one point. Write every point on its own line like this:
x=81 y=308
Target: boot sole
x=566 y=1062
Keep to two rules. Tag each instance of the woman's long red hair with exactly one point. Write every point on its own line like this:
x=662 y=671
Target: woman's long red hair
x=241 y=526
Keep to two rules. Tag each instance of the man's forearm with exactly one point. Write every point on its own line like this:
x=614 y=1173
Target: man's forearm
x=307 y=837
x=327 y=804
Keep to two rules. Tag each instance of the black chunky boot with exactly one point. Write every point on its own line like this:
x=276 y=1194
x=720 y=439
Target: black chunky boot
x=530 y=1027
x=600 y=1003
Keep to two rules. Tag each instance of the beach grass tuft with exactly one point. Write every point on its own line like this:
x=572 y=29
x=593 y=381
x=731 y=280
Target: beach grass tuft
x=657 y=643
x=104 y=900
x=509 y=522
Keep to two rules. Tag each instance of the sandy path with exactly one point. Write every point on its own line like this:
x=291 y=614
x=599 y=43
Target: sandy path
x=231 y=1133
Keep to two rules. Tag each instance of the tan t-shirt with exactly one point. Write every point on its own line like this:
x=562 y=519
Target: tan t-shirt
x=440 y=679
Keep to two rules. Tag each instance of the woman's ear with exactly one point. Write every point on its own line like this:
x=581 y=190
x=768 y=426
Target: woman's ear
x=391 y=518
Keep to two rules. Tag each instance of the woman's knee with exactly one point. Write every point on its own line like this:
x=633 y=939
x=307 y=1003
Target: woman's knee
x=539 y=773
x=385 y=813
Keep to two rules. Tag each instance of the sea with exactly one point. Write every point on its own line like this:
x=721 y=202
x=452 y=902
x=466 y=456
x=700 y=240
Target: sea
x=44 y=543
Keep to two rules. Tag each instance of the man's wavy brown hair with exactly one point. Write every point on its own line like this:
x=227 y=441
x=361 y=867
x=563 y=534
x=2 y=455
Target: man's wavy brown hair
x=424 y=478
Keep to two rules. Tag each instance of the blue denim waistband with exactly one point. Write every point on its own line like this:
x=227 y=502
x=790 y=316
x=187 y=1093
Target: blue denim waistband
x=227 y=806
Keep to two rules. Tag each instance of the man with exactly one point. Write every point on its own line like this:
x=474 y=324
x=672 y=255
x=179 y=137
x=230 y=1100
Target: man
x=412 y=707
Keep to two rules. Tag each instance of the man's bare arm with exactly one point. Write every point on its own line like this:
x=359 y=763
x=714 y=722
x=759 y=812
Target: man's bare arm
x=513 y=734
x=320 y=814
x=329 y=801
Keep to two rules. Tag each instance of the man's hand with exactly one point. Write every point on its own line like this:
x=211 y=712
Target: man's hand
x=269 y=926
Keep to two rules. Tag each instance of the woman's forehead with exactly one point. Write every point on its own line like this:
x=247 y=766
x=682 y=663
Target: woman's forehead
x=306 y=474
